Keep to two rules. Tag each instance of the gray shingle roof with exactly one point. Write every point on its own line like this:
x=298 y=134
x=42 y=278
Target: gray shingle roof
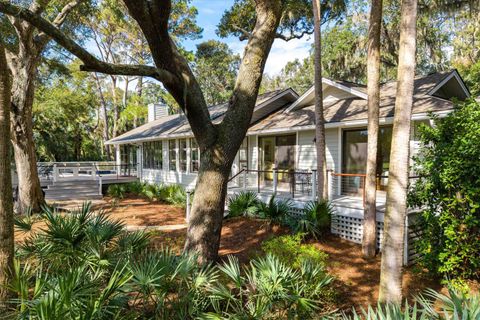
x=177 y=124
x=356 y=108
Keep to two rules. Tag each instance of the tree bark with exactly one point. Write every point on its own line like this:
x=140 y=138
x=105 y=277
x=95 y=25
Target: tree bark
x=319 y=116
x=369 y=244
x=23 y=90
x=205 y=223
x=218 y=142
x=396 y=206
x=6 y=194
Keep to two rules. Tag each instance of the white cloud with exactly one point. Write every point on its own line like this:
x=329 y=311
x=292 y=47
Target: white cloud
x=281 y=53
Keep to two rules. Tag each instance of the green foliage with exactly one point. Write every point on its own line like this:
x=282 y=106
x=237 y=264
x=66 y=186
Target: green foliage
x=277 y=211
x=290 y=250
x=315 y=220
x=172 y=194
x=267 y=289
x=297 y=17
x=86 y=266
x=117 y=191
x=216 y=70
x=432 y=305
x=82 y=237
x=448 y=193
x=244 y=203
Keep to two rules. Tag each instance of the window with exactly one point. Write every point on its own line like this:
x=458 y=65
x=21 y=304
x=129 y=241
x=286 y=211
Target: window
x=182 y=145
x=243 y=154
x=152 y=155
x=194 y=156
x=172 y=155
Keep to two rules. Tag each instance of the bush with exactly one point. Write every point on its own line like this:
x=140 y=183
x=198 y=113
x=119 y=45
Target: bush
x=268 y=289
x=117 y=191
x=315 y=220
x=290 y=250
x=277 y=211
x=433 y=305
x=85 y=266
x=244 y=203
x=448 y=193
x=172 y=194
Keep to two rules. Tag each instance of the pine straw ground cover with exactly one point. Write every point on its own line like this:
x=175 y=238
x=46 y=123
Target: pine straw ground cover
x=356 y=281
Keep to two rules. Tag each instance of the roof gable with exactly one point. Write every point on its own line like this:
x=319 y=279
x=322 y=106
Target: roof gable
x=332 y=92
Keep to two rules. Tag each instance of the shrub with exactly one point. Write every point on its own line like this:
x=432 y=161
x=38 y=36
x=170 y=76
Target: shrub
x=267 y=289
x=85 y=266
x=448 y=193
x=276 y=211
x=174 y=194
x=315 y=220
x=433 y=305
x=290 y=250
x=244 y=203
x=117 y=191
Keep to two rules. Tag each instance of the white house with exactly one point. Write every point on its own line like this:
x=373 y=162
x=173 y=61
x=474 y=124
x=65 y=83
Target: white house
x=278 y=153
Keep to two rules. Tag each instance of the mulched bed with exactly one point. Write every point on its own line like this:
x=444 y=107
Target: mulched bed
x=142 y=212
x=357 y=279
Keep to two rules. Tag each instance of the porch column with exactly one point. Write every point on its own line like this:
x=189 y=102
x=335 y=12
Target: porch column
x=330 y=184
x=275 y=181
x=118 y=158
x=314 y=185
x=139 y=161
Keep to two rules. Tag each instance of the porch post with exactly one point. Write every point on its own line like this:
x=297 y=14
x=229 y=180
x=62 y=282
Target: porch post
x=275 y=181
x=330 y=184
x=55 y=173
x=314 y=185
x=405 y=242
x=244 y=179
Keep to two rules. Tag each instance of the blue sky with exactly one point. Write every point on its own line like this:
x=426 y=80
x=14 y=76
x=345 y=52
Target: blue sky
x=209 y=15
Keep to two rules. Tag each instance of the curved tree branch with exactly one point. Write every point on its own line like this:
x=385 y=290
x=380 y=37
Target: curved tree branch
x=91 y=63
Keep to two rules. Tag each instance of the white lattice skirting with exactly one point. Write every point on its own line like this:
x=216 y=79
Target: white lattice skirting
x=351 y=229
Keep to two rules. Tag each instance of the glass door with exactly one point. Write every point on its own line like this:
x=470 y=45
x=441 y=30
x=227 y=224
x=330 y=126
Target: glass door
x=354 y=158
x=285 y=158
x=267 y=163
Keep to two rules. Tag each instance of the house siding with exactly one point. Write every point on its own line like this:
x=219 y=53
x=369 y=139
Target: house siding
x=307 y=153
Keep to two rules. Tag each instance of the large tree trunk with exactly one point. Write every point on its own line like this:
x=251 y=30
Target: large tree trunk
x=218 y=142
x=319 y=117
x=23 y=90
x=6 y=195
x=373 y=88
x=396 y=206
x=205 y=221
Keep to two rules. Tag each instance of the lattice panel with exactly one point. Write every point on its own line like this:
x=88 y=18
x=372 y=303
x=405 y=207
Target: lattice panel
x=348 y=228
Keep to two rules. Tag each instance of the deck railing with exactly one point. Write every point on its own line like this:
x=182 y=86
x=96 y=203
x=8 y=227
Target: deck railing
x=353 y=184
x=56 y=171
x=293 y=182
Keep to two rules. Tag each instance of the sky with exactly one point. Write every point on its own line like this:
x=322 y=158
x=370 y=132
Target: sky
x=209 y=14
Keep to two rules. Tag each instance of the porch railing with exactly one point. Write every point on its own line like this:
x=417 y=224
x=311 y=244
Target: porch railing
x=353 y=184
x=293 y=183
x=57 y=171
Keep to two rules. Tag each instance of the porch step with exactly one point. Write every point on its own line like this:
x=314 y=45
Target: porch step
x=72 y=190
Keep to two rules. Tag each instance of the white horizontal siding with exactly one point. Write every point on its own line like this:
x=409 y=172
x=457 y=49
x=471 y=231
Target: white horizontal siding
x=187 y=180
x=307 y=153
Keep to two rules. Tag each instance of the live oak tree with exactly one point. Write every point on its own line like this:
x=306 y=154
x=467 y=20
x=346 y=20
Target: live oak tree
x=24 y=54
x=118 y=39
x=369 y=241
x=396 y=204
x=6 y=204
x=215 y=66
x=218 y=142
x=300 y=18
